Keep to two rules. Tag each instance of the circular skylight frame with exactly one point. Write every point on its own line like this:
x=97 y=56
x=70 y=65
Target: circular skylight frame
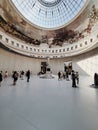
x=49 y=4
x=49 y=17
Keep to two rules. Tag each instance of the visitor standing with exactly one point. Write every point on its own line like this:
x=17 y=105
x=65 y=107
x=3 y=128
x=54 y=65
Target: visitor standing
x=59 y=75
x=28 y=75
x=73 y=79
x=1 y=77
x=15 y=77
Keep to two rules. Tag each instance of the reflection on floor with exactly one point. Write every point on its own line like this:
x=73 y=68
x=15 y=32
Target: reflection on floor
x=48 y=104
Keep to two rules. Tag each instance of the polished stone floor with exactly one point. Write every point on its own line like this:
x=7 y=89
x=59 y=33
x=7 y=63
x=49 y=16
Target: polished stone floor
x=48 y=104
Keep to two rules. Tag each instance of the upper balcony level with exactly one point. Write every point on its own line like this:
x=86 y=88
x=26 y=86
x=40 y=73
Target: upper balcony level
x=88 y=43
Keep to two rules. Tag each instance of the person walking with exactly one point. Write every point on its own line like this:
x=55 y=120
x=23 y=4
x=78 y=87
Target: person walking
x=1 y=77
x=77 y=77
x=59 y=75
x=28 y=75
x=15 y=77
x=6 y=75
x=64 y=75
x=73 y=79
x=67 y=74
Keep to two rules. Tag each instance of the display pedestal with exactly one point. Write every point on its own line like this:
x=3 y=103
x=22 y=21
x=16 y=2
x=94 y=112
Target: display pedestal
x=48 y=74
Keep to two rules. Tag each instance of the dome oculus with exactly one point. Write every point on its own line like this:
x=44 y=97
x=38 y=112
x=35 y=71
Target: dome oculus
x=49 y=14
x=49 y=3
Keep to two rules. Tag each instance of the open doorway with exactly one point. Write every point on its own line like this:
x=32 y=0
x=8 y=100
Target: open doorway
x=43 y=68
x=68 y=67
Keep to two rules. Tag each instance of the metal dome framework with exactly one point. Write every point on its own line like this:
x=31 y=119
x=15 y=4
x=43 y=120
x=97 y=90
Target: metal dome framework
x=49 y=14
x=49 y=3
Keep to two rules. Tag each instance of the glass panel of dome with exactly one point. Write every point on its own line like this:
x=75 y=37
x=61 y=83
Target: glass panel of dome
x=49 y=14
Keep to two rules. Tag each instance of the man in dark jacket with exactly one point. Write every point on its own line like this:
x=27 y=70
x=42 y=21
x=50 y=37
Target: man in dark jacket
x=73 y=79
x=28 y=75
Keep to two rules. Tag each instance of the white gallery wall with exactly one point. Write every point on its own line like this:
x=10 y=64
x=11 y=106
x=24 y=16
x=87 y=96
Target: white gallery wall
x=89 y=65
x=10 y=61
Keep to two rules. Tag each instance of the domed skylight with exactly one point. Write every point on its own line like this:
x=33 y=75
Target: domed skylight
x=49 y=14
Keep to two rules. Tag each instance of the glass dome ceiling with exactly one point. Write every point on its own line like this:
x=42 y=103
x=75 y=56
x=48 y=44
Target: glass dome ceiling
x=49 y=14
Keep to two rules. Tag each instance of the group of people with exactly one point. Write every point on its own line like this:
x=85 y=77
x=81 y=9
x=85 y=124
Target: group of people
x=62 y=75
x=15 y=76
x=65 y=75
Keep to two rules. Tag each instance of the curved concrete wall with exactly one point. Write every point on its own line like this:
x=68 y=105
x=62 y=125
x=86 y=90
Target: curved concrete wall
x=10 y=61
x=89 y=65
